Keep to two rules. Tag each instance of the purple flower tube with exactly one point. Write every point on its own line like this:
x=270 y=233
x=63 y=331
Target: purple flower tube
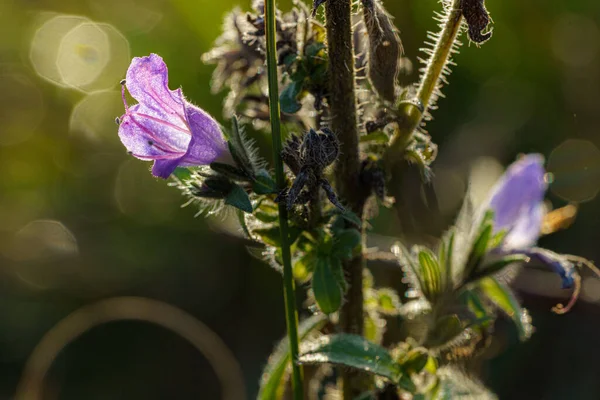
x=164 y=126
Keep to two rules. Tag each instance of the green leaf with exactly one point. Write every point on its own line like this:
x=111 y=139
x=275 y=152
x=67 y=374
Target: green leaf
x=503 y=298
x=497 y=265
x=229 y=171
x=388 y=301
x=377 y=137
x=182 y=173
x=352 y=218
x=344 y=243
x=272 y=236
x=237 y=147
x=238 y=198
x=411 y=269
x=406 y=383
x=312 y=49
x=220 y=185
x=497 y=239
x=326 y=288
x=288 y=99
x=351 y=351
x=265 y=217
x=446 y=328
x=266 y=212
x=289 y=59
x=263 y=183
x=304 y=266
x=447 y=265
x=473 y=302
x=340 y=219
x=445 y=255
x=242 y=221
x=415 y=361
x=338 y=271
x=273 y=376
x=374 y=327
x=430 y=275
x=479 y=249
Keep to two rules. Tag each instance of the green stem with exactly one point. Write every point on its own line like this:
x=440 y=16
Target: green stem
x=288 y=278
x=412 y=113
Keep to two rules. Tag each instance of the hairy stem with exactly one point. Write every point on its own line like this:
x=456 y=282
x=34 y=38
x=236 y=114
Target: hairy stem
x=342 y=103
x=412 y=113
x=288 y=278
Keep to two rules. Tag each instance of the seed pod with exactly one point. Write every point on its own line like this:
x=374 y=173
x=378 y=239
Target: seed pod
x=477 y=18
x=385 y=49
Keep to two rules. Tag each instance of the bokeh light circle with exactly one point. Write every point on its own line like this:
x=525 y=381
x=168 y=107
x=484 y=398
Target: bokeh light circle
x=82 y=54
x=45 y=43
x=94 y=116
x=575 y=169
x=75 y=52
x=575 y=40
x=42 y=240
x=142 y=197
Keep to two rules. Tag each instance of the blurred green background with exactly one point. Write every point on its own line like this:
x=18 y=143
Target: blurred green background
x=80 y=221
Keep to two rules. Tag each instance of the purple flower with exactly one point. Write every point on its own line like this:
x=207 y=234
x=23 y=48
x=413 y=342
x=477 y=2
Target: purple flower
x=517 y=203
x=164 y=126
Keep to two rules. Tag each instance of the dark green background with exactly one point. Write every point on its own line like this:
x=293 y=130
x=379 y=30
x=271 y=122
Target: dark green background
x=533 y=86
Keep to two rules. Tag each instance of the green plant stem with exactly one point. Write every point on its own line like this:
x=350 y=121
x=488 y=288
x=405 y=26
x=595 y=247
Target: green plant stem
x=288 y=278
x=342 y=103
x=412 y=113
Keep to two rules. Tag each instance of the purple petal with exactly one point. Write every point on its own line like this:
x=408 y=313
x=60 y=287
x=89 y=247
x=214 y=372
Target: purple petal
x=147 y=138
x=517 y=202
x=148 y=82
x=164 y=168
x=207 y=144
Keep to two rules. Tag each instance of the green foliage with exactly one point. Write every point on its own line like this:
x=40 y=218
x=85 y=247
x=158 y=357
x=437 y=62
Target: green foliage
x=230 y=171
x=446 y=252
x=490 y=267
x=277 y=368
x=480 y=245
x=326 y=289
x=263 y=183
x=344 y=243
x=503 y=298
x=351 y=351
x=377 y=137
x=429 y=274
x=238 y=198
x=388 y=302
x=288 y=99
x=399 y=365
x=270 y=235
x=241 y=149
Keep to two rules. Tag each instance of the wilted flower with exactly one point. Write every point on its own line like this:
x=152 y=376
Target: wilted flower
x=517 y=203
x=164 y=126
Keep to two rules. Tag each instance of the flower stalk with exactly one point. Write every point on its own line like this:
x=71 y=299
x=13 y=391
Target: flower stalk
x=413 y=113
x=288 y=278
x=347 y=169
